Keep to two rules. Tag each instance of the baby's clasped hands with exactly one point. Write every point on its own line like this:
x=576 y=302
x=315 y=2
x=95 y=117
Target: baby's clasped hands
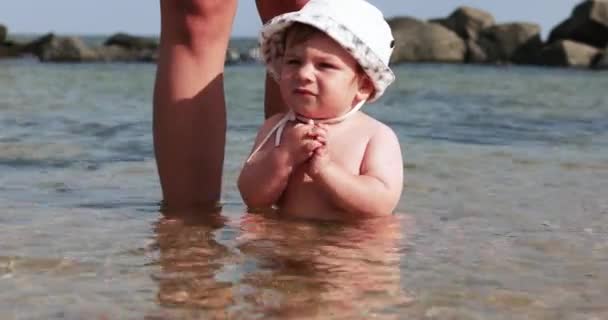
x=301 y=141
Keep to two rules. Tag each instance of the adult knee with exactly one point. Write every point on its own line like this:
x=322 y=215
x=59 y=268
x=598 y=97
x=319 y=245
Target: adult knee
x=269 y=9
x=201 y=18
x=202 y=8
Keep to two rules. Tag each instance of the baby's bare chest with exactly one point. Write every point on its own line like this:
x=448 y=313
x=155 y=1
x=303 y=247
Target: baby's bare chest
x=303 y=197
x=346 y=151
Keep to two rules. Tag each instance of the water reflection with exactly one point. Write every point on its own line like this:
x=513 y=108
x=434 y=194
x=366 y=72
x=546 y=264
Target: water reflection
x=189 y=257
x=266 y=267
x=312 y=270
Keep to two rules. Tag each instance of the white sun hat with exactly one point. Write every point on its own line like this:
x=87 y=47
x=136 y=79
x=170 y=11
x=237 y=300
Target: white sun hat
x=356 y=25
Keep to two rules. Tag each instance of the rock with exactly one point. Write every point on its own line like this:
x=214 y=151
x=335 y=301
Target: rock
x=475 y=53
x=4 y=52
x=50 y=48
x=37 y=46
x=148 y=55
x=114 y=53
x=66 y=49
x=511 y=42
x=419 y=41
x=9 y=50
x=588 y=24
x=467 y=22
x=566 y=53
x=131 y=42
x=233 y=56
x=602 y=61
x=3 y=33
x=254 y=54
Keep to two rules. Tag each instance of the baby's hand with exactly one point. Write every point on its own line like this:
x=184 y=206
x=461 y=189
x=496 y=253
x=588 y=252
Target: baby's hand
x=319 y=133
x=320 y=156
x=319 y=160
x=300 y=141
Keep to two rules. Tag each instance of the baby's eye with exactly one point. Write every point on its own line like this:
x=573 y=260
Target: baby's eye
x=326 y=65
x=292 y=61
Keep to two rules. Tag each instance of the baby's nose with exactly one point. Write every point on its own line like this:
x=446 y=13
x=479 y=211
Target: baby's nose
x=306 y=71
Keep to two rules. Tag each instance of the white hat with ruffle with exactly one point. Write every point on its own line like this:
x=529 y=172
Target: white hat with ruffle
x=356 y=25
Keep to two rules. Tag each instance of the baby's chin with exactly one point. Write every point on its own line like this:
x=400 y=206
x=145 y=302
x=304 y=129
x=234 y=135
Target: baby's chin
x=315 y=115
x=310 y=112
x=313 y=111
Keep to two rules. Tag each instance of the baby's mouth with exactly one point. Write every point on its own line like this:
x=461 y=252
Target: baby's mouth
x=305 y=92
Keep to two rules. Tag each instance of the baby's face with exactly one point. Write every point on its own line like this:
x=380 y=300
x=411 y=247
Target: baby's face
x=320 y=79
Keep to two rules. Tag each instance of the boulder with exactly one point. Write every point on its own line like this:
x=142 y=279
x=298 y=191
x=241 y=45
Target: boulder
x=475 y=53
x=9 y=50
x=566 y=53
x=36 y=46
x=467 y=22
x=3 y=33
x=5 y=52
x=50 y=48
x=114 y=53
x=419 y=41
x=232 y=56
x=243 y=55
x=66 y=49
x=148 y=55
x=252 y=55
x=602 y=62
x=511 y=42
x=588 y=24
x=131 y=42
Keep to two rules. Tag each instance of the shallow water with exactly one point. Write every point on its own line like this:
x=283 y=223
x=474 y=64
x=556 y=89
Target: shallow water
x=504 y=214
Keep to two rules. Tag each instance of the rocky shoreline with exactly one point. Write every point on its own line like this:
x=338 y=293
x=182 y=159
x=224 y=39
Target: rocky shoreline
x=468 y=35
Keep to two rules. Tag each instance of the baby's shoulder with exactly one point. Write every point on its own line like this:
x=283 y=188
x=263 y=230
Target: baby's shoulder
x=377 y=129
x=383 y=142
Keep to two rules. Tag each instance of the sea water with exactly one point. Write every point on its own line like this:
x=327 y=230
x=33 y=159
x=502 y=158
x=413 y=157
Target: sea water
x=504 y=214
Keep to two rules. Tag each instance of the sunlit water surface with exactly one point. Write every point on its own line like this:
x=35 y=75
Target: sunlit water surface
x=504 y=214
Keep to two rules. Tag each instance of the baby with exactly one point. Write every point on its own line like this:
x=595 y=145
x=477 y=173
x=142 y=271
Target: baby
x=329 y=160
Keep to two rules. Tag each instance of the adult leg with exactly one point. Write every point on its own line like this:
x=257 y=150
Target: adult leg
x=273 y=103
x=189 y=104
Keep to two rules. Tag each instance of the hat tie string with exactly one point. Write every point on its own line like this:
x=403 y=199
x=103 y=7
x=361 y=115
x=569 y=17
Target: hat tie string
x=291 y=116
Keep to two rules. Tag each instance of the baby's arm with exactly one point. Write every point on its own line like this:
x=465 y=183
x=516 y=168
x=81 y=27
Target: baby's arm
x=264 y=177
x=377 y=189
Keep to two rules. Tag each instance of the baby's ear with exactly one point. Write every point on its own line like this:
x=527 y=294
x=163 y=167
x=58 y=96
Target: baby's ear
x=366 y=87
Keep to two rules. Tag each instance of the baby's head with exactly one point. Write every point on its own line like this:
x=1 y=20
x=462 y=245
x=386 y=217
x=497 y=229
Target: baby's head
x=336 y=44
